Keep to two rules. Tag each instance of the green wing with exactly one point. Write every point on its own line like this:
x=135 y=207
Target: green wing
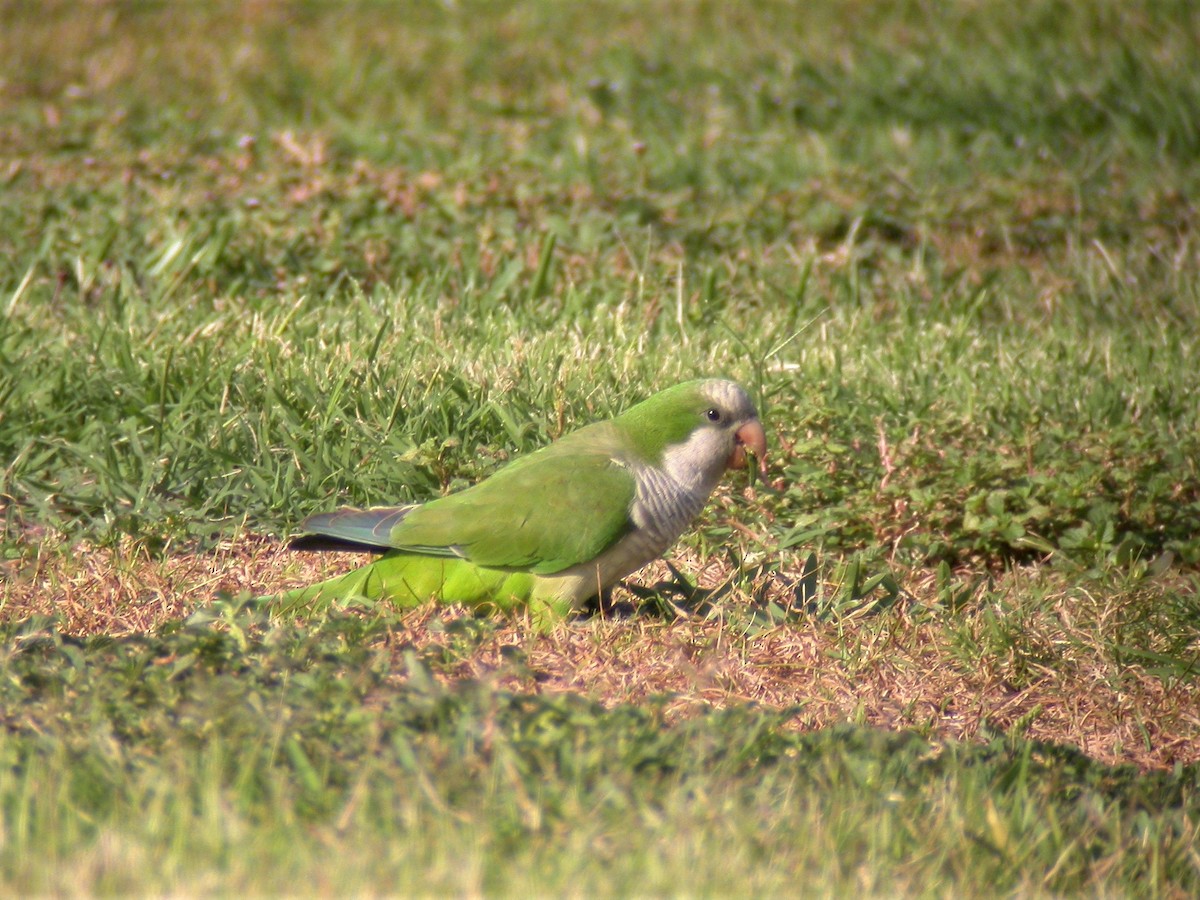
x=546 y=512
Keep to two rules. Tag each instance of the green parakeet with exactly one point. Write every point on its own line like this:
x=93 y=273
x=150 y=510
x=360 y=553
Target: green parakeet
x=558 y=526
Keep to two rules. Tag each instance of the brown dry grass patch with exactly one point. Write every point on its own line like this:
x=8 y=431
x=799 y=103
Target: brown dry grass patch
x=913 y=666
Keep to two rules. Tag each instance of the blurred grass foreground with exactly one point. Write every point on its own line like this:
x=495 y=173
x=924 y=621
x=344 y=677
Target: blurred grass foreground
x=261 y=259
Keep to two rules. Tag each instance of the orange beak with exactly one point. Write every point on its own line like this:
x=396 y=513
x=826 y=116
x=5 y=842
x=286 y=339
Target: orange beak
x=749 y=437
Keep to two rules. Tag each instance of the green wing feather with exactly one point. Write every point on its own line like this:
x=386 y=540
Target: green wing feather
x=546 y=512
x=543 y=513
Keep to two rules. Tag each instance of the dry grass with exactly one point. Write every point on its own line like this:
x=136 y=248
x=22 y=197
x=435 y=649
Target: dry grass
x=913 y=666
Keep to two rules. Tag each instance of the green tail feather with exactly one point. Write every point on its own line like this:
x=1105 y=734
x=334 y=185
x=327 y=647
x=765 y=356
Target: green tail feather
x=316 y=598
x=407 y=580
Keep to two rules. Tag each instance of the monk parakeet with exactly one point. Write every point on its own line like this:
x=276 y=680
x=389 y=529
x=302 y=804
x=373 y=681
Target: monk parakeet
x=558 y=526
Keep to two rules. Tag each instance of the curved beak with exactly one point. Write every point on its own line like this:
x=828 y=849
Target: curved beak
x=750 y=437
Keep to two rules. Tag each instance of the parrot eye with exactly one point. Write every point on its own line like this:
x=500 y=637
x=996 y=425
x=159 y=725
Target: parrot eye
x=714 y=414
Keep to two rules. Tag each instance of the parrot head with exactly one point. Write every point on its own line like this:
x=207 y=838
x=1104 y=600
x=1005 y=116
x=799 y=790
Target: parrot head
x=698 y=429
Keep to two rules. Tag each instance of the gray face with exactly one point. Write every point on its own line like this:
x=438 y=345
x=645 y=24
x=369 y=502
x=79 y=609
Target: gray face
x=729 y=398
x=697 y=463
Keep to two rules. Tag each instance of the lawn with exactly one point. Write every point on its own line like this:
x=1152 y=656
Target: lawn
x=261 y=260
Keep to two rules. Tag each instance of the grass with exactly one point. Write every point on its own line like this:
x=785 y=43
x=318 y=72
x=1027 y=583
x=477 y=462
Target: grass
x=230 y=756
x=259 y=261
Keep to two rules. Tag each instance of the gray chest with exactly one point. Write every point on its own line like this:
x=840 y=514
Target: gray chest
x=663 y=508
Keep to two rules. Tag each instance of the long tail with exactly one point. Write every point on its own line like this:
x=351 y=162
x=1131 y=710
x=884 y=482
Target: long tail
x=344 y=529
x=367 y=582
